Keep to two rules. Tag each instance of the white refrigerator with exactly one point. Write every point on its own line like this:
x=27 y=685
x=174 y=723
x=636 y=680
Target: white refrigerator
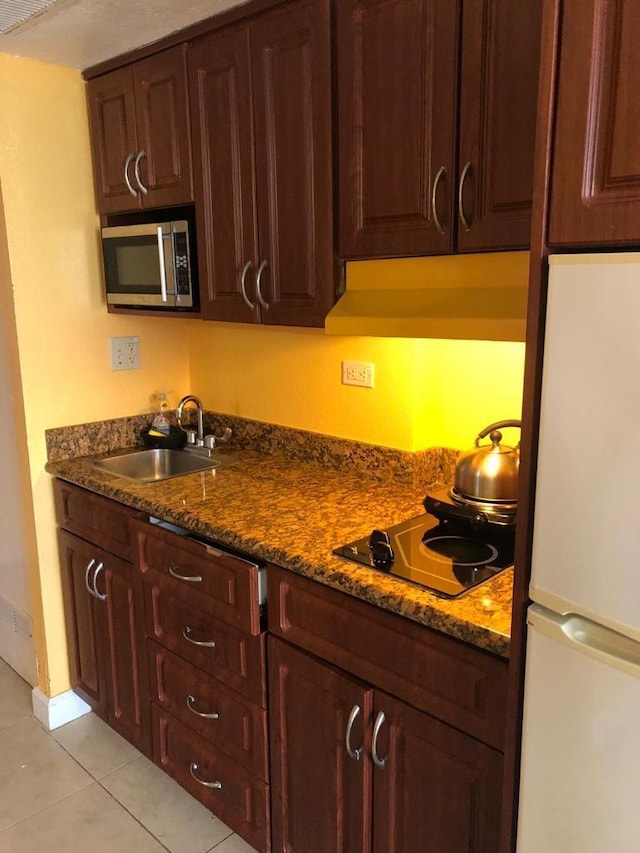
x=580 y=782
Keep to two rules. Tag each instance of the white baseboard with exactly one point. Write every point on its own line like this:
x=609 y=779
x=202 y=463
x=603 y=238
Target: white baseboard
x=55 y=711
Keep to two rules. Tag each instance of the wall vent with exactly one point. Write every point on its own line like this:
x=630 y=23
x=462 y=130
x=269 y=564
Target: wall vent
x=13 y=13
x=14 y=620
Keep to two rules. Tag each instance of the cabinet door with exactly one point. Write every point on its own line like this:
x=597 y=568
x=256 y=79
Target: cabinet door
x=222 y=130
x=291 y=72
x=438 y=789
x=162 y=119
x=126 y=660
x=499 y=83
x=112 y=116
x=320 y=796
x=85 y=621
x=595 y=182
x=397 y=97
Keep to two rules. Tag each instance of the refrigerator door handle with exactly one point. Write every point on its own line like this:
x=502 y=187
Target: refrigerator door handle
x=586 y=636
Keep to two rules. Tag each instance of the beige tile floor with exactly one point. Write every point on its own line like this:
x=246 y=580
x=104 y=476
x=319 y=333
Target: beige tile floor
x=83 y=788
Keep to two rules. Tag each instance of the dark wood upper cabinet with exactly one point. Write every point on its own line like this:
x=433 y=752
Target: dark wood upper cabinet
x=437 y=104
x=139 y=119
x=397 y=97
x=262 y=124
x=499 y=75
x=222 y=122
x=595 y=178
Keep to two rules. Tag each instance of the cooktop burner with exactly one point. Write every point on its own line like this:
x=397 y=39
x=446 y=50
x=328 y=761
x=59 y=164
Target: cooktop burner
x=446 y=557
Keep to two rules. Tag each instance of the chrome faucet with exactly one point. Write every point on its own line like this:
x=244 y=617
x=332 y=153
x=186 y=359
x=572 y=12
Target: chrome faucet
x=198 y=442
x=192 y=437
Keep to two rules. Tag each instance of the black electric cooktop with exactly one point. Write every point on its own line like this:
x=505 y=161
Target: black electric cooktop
x=446 y=557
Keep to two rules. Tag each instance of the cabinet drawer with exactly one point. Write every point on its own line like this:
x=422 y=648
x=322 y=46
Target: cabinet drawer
x=239 y=799
x=94 y=518
x=234 y=658
x=224 y=718
x=450 y=680
x=223 y=584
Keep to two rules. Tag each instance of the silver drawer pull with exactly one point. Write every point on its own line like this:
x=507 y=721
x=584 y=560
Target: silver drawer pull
x=208 y=643
x=90 y=565
x=379 y=762
x=188 y=578
x=192 y=769
x=190 y=702
x=353 y=753
x=99 y=595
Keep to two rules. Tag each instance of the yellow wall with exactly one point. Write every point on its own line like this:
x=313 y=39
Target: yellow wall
x=427 y=393
x=62 y=326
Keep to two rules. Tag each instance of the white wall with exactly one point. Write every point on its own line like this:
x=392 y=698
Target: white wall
x=16 y=642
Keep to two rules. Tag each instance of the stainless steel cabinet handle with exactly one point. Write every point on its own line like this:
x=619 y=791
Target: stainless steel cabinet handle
x=463 y=177
x=206 y=643
x=90 y=565
x=136 y=171
x=190 y=703
x=192 y=769
x=243 y=285
x=127 y=163
x=263 y=266
x=434 y=195
x=379 y=762
x=99 y=596
x=188 y=578
x=352 y=753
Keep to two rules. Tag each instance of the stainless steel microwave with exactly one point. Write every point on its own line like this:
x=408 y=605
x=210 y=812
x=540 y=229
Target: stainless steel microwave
x=149 y=265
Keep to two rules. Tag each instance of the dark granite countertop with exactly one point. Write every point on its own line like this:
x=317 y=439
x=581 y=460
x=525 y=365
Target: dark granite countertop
x=294 y=513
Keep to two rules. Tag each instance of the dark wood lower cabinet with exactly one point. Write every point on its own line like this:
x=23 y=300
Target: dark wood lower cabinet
x=86 y=628
x=236 y=796
x=229 y=721
x=106 y=638
x=380 y=736
x=320 y=796
x=354 y=769
x=439 y=789
x=385 y=735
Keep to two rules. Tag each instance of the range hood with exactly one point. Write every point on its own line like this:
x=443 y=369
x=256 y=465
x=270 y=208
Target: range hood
x=467 y=297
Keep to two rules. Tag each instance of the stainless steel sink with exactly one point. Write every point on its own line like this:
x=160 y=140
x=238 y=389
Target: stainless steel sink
x=149 y=466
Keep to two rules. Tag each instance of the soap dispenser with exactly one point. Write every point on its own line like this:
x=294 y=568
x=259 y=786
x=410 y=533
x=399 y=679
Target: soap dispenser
x=161 y=421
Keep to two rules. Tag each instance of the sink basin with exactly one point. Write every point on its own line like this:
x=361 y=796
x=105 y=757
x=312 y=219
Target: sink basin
x=149 y=466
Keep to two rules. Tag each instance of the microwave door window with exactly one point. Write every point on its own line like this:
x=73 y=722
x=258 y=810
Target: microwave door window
x=133 y=266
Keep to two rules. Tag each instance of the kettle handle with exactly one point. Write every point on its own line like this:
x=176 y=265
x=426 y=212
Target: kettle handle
x=499 y=425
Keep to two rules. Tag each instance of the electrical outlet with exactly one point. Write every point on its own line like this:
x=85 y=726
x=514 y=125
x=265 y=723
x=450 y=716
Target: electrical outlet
x=125 y=353
x=358 y=373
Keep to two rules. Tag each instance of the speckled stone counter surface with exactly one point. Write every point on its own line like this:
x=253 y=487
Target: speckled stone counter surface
x=294 y=513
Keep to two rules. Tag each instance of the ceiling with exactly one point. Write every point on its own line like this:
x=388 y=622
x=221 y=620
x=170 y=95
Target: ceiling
x=81 y=33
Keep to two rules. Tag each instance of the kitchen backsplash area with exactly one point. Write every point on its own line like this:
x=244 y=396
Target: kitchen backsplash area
x=420 y=469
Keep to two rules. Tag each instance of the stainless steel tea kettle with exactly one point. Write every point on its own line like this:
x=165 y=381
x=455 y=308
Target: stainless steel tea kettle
x=489 y=473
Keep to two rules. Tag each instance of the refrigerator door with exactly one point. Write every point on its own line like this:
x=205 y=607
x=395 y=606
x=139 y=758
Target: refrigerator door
x=581 y=753
x=586 y=545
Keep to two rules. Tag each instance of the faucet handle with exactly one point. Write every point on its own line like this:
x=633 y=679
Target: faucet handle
x=210 y=441
x=191 y=436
